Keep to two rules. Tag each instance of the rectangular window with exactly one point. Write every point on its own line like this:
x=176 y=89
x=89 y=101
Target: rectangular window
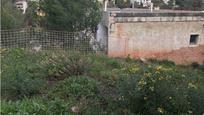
x=194 y=39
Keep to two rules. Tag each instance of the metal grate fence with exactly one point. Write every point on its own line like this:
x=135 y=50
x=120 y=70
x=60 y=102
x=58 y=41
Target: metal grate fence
x=38 y=39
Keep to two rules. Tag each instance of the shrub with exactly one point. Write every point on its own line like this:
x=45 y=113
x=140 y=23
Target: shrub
x=160 y=90
x=22 y=75
x=62 y=64
x=81 y=90
x=113 y=63
x=76 y=87
x=123 y=4
x=167 y=63
x=37 y=106
x=26 y=106
x=103 y=68
x=98 y=65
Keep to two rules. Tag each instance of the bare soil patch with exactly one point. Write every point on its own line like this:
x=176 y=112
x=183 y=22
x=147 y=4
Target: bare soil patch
x=185 y=55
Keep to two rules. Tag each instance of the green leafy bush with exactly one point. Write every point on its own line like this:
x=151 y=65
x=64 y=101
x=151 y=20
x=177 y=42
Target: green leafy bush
x=123 y=3
x=104 y=69
x=81 y=90
x=36 y=106
x=161 y=90
x=98 y=65
x=76 y=87
x=22 y=75
x=113 y=63
x=165 y=63
x=23 y=107
x=11 y=17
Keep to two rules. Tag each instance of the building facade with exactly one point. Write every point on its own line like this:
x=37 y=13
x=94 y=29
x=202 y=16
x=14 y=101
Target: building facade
x=142 y=33
x=22 y=5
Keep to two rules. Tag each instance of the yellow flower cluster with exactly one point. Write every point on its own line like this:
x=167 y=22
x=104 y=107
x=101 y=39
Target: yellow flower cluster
x=133 y=69
x=162 y=78
x=158 y=68
x=147 y=74
x=161 y=68
x=142 y=82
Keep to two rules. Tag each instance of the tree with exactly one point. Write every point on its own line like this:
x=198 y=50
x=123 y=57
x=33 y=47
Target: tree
x=10 y=16
x=31 y=17
x=181 y=4
x=71 y=15
x=122 y=3
x=170 y=5
x=190 y=4
x=158 y=3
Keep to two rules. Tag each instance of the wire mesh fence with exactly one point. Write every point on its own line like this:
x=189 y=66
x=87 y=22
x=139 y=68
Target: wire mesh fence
x=38 y=39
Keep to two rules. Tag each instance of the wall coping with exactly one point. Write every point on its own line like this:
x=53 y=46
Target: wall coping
x=157 y=19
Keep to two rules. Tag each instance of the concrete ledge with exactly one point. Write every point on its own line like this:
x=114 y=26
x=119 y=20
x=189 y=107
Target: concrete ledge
x=130 y=14
x=156 y=19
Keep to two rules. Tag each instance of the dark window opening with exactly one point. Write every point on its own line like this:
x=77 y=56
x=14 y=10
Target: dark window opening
x=194 y=39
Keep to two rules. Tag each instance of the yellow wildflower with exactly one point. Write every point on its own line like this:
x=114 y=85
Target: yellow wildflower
x=133 y=69
x=158 y=68
x=142 y=82
x=161 y=78
x=147 y=74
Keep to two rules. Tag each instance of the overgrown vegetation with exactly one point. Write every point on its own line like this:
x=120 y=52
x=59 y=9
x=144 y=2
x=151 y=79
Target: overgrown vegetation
x=21 y=74
x=122 y=3
x=71 y=15
x=171 y=4
x=50 y=83
x=11 y=18
x=66 y=15
x=190 y=4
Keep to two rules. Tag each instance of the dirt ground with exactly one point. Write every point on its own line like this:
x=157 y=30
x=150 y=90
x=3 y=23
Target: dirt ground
x=185 y=55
